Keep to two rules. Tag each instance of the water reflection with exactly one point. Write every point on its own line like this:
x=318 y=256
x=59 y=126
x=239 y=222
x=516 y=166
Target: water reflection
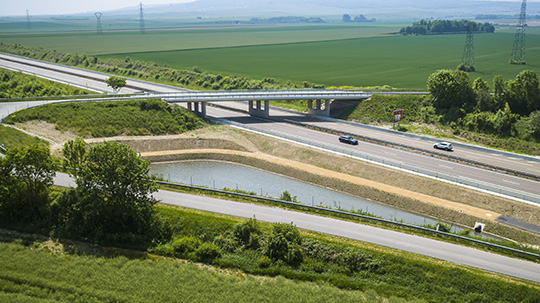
x=221 y=175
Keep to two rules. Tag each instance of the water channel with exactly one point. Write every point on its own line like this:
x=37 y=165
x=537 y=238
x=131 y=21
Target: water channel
x=214 y=174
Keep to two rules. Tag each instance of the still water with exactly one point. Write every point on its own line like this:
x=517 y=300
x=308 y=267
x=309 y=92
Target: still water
x=221 y=175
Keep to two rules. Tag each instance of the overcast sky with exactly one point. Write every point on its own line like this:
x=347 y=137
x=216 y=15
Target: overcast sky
x=58 y=7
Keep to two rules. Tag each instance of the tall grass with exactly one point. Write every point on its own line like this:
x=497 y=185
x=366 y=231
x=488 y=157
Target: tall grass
x=12 y=138
x=33 y=276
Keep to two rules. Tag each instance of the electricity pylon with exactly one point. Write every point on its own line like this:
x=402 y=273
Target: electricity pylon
x=518 y=50
x=467 y=61
x=99 y=28
x=28 y=24
x=142 y=27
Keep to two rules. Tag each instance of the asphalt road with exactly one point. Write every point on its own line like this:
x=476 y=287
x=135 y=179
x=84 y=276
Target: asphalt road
x=496 y=182
x=432 y=248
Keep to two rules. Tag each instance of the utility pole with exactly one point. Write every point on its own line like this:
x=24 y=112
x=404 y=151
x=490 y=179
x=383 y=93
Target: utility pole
x=467 y=61
x=28 y=24
x=99 y=28
x=142 y=28
x=518 y=50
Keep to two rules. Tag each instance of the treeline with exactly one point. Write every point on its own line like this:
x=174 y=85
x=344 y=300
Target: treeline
x=437 y=27
x=497 y=17
x=289 y=19
x=19 y=85
x=194 y=78
x=512 y=110
x=359 y=18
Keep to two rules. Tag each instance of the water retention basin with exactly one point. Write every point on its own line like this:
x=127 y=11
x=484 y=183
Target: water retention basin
x=219 y=175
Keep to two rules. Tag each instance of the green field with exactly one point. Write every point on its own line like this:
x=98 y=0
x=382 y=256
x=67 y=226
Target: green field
x=401 y=62
x=329 y=54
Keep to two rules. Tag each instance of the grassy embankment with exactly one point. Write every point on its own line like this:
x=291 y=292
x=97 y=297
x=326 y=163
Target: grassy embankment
x=422 y=119
x=64 y=270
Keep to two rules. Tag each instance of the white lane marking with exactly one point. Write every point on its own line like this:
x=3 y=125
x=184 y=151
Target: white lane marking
x=511 y=182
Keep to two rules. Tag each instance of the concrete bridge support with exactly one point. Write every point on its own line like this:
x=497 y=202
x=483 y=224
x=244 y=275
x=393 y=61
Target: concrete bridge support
x=199 y=108
x=259 y=109
x=319 y=109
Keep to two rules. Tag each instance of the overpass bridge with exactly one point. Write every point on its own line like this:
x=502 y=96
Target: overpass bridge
x=319 y=100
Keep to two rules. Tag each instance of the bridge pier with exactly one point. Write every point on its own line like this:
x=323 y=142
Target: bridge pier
x=320 y=109
x=199 y=108
x=259 y=109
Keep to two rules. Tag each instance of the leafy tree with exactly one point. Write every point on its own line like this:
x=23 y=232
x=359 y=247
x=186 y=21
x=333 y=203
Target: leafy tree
x=484 y=101
x=25 y=177
x=116 y=83
x=112 y=201
x=498 y=95
x=451 y=89
x=346 y=18
x=529 y=90
x=534 y=125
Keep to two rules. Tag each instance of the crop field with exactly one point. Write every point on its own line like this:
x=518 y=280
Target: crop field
x=401 y=62
x=362 y=55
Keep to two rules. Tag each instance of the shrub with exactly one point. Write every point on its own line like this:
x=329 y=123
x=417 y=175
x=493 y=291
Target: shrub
x=185 y=245
x=248 y=233
x=283 y=244
x=208 y=252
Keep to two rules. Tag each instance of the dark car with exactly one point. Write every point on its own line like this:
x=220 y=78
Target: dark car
x=348 y=139
x=443 y=145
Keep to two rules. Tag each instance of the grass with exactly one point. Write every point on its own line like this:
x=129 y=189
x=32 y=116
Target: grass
x=61 y=270
x=105 y=119
x=37 y=276
x=401 y=62
x=12 y=138
x=333 y=55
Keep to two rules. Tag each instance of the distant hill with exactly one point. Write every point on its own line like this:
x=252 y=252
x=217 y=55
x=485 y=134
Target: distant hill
x=381 y=10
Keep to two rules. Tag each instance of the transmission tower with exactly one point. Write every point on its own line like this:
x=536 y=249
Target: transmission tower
x=467 y=61
x=142 y=28
x=99 y=28
x=518 y=51
x=28 y=24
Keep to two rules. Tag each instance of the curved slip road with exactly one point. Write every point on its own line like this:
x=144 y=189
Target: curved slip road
x=432 y=248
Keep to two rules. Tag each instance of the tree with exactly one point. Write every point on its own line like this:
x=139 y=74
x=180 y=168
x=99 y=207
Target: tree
x=534 y=125
x=498 y=94
x=484 y=101
x=25 y=177
x=346 y=18
x=116 y=83
x=450 y=89
x=112 y=201
x=529 y=90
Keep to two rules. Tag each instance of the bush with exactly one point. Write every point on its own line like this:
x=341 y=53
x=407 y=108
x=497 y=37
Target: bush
x=248 y=233
x=283 y=244
x=208 y=252
x=185 y=245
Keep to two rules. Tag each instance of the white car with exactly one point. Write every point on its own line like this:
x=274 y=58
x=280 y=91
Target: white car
x=443 y=145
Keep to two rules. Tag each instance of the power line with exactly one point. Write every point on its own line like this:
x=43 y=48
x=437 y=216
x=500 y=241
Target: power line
x=518 y=50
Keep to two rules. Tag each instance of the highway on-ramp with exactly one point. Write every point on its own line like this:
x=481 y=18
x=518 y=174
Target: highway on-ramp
x=428 y=247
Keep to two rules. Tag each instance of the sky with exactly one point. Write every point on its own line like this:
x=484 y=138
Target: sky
x=58 y=7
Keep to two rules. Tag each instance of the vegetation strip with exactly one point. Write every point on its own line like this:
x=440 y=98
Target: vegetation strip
x=339 y=212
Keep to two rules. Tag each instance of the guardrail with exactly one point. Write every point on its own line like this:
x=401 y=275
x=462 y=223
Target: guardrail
x=343 y=213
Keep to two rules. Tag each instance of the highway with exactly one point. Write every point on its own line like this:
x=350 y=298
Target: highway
x=496 y=182
x=423 y=246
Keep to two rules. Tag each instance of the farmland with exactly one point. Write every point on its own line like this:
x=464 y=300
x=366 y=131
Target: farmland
x=331 y=54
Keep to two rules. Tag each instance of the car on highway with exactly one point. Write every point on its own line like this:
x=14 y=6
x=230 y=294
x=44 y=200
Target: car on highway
x=443 y=145
x=348 y=139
